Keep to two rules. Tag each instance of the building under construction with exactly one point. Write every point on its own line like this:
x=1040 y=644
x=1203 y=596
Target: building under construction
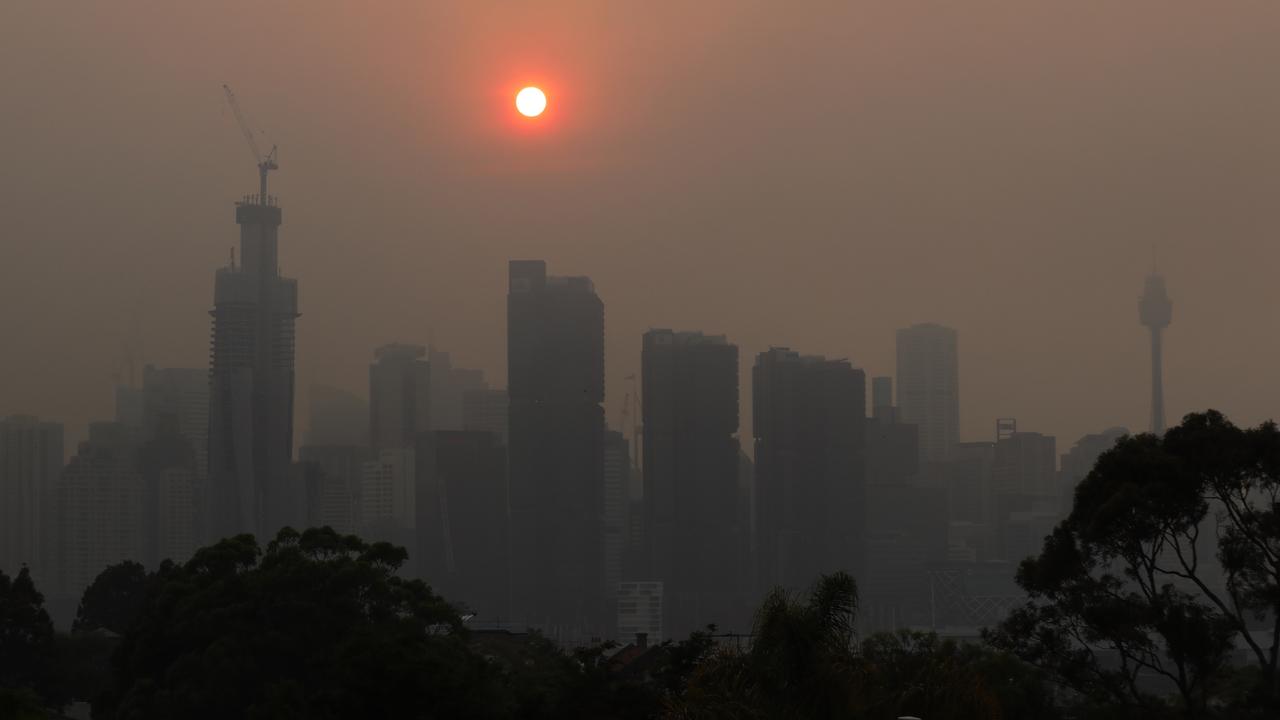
x=252 y=375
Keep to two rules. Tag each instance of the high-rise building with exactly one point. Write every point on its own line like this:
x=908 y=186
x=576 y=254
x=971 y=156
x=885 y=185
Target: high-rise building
x=882 y=407
x=399 y=397
x=251 y=382
x=30 y=461
x=449 y=385
x=690 y=410
x=1080 y=459
x=333 y=490
x=1155 y=312
x=808 y=424
x=555 y=366
x=462 y=520
x=388 y=503
x=177 y=400
x=640 y=609
x=616 y=533
x=100 y=508
x=485 y=410
x=167 y=462
x=929 y=387
x=1024 y=476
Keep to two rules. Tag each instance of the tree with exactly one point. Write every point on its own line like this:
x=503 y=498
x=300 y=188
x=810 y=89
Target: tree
x=27 y=648
x=1129 y=575
x=317 y=626
x=113 y=600
x=801 y=663
x=916 y=674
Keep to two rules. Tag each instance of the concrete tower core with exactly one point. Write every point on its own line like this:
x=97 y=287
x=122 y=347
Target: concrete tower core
x=1155 y=312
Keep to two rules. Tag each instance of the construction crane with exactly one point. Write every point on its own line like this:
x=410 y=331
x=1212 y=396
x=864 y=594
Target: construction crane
x=266 y=163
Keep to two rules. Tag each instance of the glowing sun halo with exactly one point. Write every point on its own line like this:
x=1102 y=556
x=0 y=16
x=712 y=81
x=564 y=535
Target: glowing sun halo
x=531 y=102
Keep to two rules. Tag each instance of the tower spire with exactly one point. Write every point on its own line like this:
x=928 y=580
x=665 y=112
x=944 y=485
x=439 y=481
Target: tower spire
x=1155 y=312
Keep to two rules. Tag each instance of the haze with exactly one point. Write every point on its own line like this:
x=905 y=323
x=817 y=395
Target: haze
x=813 y=176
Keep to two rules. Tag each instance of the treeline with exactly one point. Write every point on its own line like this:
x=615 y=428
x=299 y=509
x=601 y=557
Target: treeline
x=1158 y=597
x=319 y=625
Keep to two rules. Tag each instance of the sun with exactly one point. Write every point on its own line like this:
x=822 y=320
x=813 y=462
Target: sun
x=531 y=102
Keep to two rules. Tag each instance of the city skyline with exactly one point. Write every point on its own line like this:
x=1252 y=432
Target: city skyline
x=767 y=256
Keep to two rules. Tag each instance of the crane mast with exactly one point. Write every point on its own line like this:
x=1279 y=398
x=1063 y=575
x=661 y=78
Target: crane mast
x=266 y=163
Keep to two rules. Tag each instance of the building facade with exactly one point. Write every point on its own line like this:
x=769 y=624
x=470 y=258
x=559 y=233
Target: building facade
x=929 y=387
x=30 y=462
x=555 y=366
x=690 y=410
x=809 y=418
x=252 y=382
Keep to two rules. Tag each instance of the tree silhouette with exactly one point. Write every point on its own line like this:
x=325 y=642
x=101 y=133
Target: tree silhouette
x=113 y=600
x=317 y=626
x=28 y=653
x=1131 y=573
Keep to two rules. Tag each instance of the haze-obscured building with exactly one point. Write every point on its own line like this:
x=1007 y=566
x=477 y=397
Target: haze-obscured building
x=485 y=410
x=252 y=382
x=100 y=508
x=690 y=410
x=929 y=387
x=30 y=463
x=809 y=427
x=555 y=366
x=463 y=538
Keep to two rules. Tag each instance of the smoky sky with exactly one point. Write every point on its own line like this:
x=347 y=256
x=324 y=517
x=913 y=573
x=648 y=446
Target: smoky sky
x=812 y=174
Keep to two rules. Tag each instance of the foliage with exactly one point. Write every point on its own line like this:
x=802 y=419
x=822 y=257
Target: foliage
x=28 y=654
x=317 y=626
x=1126 y=587
x=113 y=600
x=800 y=664
x=916 y=674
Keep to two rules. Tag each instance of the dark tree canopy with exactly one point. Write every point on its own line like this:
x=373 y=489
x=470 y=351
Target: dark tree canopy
x=113 y=600
x=28 y=652
x=1170 y=556
x=317 y=626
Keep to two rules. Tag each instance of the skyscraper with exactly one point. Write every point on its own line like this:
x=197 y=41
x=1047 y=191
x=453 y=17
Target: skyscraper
x=399 y=396
x=485 y=410
x=1155 y=312
x=100 y=507
x=615 y=515
x=809 y=431
x=177 y=399
x=929 y=387
x=30 y=461
x=555 y=366
x=251 y=382
x=690 y=409
x=462 y=536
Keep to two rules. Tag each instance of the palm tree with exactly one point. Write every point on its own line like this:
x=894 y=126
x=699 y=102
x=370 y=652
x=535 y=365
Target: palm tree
x=801 y=663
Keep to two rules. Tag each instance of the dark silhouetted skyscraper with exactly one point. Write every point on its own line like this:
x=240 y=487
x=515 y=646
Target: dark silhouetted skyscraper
x=555 y=366
x=690 y=392
x=808 y=422
x=462 y=536
x=929 y=387
x=1155 y=312
x=251 y=383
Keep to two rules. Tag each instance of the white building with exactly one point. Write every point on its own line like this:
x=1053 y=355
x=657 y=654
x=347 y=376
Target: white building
x=640 y=609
